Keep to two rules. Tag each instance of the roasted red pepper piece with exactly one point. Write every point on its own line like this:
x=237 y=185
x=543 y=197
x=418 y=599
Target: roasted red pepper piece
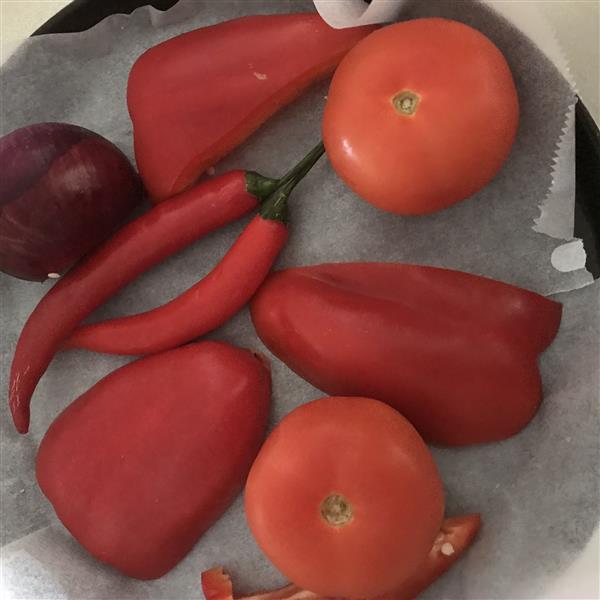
x=456 y=535
x=144 y=462
x=456 y=354
x=214 y=299
x=197 y=96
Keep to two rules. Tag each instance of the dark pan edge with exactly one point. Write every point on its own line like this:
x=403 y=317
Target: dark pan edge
x=587 y=185
x=80 y=15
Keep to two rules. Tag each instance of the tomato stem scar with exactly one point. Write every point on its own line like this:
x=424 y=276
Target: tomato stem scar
x=336 y=510
x=406 y=102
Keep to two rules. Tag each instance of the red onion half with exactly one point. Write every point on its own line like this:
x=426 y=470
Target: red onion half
x=63 y=190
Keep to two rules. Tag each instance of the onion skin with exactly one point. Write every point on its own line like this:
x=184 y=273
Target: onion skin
x=64 y=189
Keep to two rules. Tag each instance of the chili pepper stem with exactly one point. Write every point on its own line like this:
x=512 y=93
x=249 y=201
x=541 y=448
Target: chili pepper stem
x=259 y=186
x=304 y=165
x=262 y=187
x=274 y=208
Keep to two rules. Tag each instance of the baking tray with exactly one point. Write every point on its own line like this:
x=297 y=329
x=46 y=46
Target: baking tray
x=83 y=14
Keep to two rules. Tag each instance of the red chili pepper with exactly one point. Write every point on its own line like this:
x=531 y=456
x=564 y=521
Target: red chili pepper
x=135 y=248
x=197 y=96
x=145 y=461
x=213 y=300
x=456 y=535
x=456 y=354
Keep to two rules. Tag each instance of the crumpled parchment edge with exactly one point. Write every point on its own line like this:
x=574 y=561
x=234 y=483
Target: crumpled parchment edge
x=557 y=208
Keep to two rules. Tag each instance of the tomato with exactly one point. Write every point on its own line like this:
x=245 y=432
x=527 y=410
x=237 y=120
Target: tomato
x=420 y=115
x=344 y=498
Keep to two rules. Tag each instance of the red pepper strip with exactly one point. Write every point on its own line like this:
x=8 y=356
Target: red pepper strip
x=135 y=248
x=210 y=302
x=216 y=585
x=197 y=96
x=456 y=535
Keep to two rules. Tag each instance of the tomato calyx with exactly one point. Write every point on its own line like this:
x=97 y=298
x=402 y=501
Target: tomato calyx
x=406 y=102
x=336 y=510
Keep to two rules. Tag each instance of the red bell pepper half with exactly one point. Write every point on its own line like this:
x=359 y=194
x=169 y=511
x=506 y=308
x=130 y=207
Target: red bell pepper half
x=195 y=97
x=144 y=462
x=456 y=535
x=455 y=353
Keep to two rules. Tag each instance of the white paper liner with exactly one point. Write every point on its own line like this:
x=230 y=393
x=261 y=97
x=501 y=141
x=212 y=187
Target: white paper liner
x=536 y=491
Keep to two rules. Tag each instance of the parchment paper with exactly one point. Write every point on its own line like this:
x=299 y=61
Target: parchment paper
x=538 y=492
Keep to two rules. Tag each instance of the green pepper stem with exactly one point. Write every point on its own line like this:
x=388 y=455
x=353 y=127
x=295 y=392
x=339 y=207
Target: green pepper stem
x=274 y=208
x=304 y=166
x=259 y=186
x=262 y=187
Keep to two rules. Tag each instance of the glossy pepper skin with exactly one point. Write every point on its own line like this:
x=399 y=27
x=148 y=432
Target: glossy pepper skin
x=134 y=249
x=204 y=307
x=455 y=353
x=197 y=96
x=138 y=467
x=455 y=537
x=215 y=298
